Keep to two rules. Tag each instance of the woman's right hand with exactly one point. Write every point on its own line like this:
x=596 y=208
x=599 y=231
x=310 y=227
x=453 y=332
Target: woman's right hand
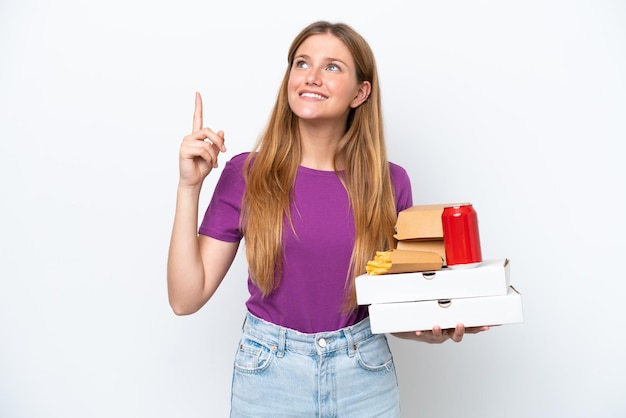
x=199 y=150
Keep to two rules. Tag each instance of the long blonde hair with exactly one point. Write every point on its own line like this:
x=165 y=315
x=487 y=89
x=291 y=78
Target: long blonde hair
x=270 y=173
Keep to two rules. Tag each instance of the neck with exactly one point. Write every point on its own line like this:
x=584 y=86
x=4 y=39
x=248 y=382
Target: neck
x=319 y=145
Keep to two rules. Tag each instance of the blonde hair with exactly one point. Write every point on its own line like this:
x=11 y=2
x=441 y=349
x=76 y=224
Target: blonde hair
x=270 y=173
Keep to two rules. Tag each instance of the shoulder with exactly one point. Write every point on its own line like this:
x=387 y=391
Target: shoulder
x=232 y=175
x=234 y=166
x=238 y=160
x=401 y=185
x=398 y=173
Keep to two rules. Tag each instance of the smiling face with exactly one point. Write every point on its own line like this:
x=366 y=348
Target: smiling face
x=323 y=84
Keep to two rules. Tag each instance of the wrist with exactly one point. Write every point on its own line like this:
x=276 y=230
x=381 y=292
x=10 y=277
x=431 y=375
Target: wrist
x=193 y=189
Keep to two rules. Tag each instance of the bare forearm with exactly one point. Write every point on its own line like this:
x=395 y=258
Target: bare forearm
x=189 y=286
x=185 y=272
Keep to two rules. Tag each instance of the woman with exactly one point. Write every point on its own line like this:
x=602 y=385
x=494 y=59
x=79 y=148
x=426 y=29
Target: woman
x=314 y=202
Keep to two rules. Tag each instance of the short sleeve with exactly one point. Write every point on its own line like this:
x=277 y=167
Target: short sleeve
x=402 y=187
x=222 y=217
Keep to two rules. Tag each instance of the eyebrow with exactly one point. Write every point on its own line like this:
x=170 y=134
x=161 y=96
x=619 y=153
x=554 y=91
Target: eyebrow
x=327 y=59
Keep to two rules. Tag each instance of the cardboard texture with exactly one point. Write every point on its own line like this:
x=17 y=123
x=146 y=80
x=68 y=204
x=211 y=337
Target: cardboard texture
x=431 y=245
x=490 y=278
x=403 y=261
x=424 y=315
x=421 y=222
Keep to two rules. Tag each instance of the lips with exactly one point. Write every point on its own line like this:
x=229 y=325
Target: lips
x=311 y=95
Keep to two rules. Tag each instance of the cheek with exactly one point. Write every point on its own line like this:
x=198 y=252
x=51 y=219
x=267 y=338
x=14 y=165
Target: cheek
x=291 y=92
x=295 y=79
x=346 y=92
x=293 y=83
x=291 y=96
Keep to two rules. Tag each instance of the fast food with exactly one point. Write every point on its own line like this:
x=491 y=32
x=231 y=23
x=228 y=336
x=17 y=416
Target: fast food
x=403 y=261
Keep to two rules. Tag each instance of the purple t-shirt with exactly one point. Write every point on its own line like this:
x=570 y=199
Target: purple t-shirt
x=316 y=259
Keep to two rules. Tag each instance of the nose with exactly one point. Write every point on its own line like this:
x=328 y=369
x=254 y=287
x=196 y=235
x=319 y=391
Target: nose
x=313 y=77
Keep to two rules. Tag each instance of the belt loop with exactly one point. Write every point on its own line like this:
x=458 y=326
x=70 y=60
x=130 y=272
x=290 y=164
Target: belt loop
x=350 y=341
x=282 y=341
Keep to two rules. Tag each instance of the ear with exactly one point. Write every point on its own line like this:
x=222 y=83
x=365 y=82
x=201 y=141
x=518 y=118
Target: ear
x=362 y=94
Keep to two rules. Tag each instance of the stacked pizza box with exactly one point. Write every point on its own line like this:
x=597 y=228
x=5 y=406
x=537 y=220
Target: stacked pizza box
x=422 y=298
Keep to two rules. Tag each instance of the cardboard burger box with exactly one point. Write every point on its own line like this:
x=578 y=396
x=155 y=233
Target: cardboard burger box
x=405 y=261
x=428 y=245
x=422 y=222
x=419 y=228
x=424 y=315
x=490 y=278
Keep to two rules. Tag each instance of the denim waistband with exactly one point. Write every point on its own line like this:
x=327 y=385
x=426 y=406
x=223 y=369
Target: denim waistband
x=280 y=338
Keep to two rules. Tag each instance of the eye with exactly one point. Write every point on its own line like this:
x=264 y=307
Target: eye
x=300 y=64
x=333 y=67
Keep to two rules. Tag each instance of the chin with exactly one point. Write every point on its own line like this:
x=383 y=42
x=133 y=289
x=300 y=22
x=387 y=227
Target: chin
x=305 y=114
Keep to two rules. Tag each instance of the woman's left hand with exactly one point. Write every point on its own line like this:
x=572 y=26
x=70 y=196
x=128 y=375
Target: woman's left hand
x=438 y=335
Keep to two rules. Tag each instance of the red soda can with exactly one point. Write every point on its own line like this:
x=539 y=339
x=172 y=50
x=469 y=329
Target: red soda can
x=461 y=239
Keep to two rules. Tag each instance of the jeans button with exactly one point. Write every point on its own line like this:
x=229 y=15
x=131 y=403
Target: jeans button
x=321 y=342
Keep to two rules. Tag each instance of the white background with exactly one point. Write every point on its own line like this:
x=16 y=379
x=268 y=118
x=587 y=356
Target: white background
x=516 y=106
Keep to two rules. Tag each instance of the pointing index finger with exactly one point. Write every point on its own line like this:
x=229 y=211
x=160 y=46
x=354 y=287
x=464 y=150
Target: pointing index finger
x=197 y=113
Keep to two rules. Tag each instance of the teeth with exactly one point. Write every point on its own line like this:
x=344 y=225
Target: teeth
x=313 y=96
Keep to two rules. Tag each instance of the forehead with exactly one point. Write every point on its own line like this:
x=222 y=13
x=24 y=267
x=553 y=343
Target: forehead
x=325 y=45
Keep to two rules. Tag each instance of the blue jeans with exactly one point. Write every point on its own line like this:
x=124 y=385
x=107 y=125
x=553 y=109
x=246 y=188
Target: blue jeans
x=279 y=372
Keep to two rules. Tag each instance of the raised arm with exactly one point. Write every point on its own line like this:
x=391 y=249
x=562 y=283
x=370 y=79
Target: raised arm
x=196 y=264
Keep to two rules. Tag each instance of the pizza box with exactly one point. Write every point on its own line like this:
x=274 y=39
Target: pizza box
x=490 y=278
x=424 y=315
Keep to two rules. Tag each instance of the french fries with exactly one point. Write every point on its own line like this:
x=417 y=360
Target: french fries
x=381 y=263
x=403 y=261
